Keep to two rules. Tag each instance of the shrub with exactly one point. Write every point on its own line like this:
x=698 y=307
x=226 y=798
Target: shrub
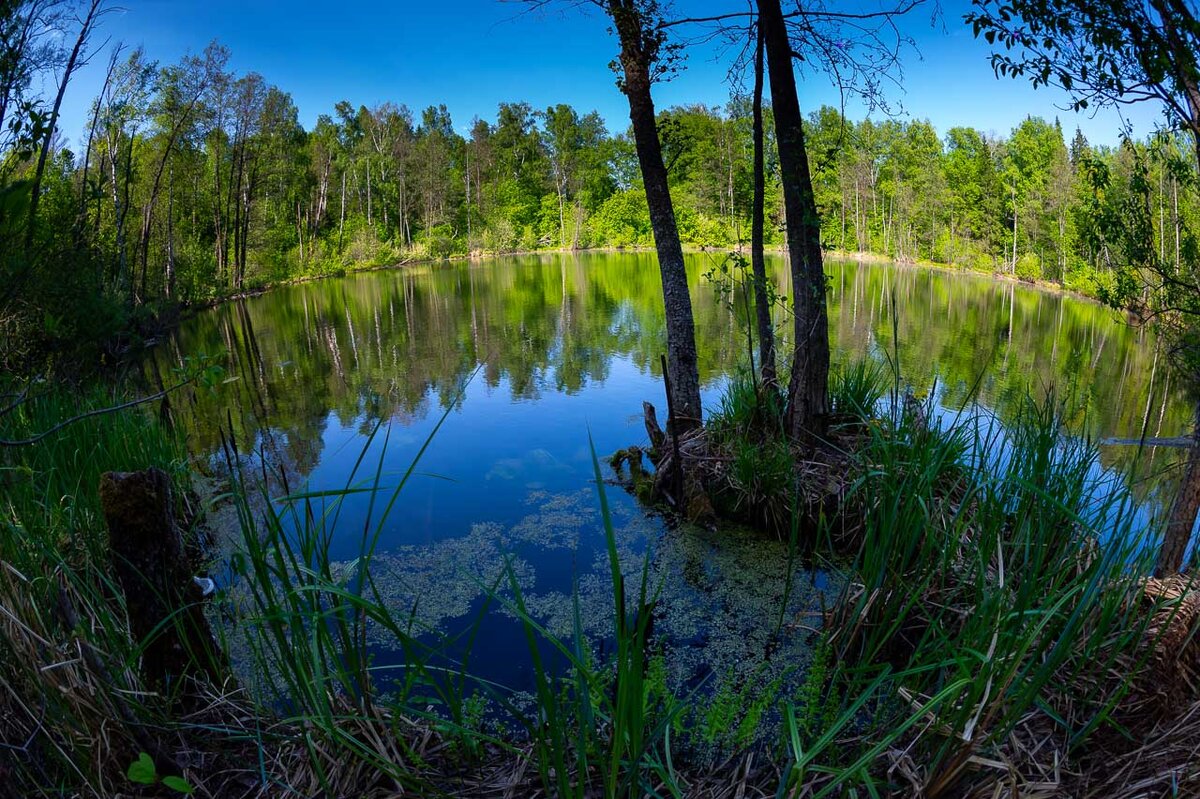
x=623 y=220
x=440 y=242
x=1028 y=268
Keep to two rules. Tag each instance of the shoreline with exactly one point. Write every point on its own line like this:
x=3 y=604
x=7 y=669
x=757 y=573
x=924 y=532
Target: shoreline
x=183 y=312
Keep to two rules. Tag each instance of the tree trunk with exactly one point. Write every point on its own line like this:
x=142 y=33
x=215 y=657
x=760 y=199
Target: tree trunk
x=169 y=281
x=1014 y=255
x=218 y=216
x=72 y=62
x=236 y=189
x=766 y=333
x=118 y=208
x=155 y=184
x=87 y=154
x=342 y=218
x=1186 y=504
x=638 y=46
x=562 y=214
x=1182 y=516
x=808 y=390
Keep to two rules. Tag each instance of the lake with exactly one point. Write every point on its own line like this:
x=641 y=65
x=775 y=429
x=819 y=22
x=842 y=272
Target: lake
x=524 y=364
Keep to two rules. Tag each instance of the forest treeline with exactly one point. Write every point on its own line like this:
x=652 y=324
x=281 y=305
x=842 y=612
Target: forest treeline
x=191 y=182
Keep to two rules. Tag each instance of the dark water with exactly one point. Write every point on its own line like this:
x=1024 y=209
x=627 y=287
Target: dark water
x=520 y=360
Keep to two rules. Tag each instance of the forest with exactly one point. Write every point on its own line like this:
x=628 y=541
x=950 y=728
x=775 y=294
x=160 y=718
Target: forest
x=742 y=450
x=194 y=184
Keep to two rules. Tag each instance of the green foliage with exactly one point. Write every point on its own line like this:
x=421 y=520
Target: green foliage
x=856 y=388
x=623 y=220
x=979 y=591
x=745 y=410
x=1029 y=268
x=143 y=772
x=818 y=702
x=763 y=472
x=239 y=195
x=56 y=566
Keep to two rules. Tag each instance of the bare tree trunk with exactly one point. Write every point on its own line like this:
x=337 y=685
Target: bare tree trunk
x=236 y=188
x=218 y=218
x=467 y=186
x=1014 y=255
x=139 y=255
x=562 y=214
x=154 y=186
x=766 y=333
x=87 y=153
x=118 y=210
x=170 y=275
x=322 y=198
x=808 y=390
x=1182 y=516
x=1175 y=216
x=300 y=230
x=639 y=46
x=404 y=209
x=342 y=220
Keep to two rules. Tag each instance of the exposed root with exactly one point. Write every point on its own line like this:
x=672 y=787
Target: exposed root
x=704 y=478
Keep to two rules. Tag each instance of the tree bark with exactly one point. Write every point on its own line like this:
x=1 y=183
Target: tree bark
x=1186 y=505
x=1182 y=517
x=169 y=281
x=808 y=389
x=154 y=574
x=762 y=304
x=639 y=45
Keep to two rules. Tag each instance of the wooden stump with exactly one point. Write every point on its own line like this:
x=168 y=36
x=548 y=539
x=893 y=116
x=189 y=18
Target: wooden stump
x=653 y=430
x=161 y=598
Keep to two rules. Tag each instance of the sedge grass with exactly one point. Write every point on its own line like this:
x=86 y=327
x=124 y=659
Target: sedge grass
x=982 y=596
x=992 y=597
x=73 y=710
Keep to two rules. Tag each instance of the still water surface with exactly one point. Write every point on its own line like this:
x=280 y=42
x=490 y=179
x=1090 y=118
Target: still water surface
x=522 y=359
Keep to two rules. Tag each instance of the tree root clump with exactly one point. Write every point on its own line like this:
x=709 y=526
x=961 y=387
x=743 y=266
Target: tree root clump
x=770 y=483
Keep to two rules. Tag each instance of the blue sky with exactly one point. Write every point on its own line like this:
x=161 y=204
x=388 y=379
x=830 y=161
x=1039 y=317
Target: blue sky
x=473 y=54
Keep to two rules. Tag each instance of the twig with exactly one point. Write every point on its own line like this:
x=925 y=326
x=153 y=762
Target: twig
x=24 y=442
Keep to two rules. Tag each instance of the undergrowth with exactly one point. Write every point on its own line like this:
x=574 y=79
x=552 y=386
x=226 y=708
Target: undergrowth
x=993 y=614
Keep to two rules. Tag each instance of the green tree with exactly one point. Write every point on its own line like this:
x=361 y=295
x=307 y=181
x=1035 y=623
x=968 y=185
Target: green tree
x=1118 y=53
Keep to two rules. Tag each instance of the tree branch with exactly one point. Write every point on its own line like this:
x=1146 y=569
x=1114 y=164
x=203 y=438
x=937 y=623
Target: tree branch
x=89 y=414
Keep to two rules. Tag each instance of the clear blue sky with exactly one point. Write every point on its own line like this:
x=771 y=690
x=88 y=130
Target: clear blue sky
x=473 y=54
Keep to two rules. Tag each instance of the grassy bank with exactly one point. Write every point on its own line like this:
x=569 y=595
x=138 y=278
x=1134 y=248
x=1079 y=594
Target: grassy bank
x=995 y=634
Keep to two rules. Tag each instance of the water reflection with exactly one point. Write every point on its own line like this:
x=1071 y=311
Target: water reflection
x=525 y=357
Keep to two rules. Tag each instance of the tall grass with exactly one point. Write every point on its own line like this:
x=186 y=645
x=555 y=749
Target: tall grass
x=73 y=711
x=992 y=615
x=981 y=598
x=982 y=623
x=605 y=726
